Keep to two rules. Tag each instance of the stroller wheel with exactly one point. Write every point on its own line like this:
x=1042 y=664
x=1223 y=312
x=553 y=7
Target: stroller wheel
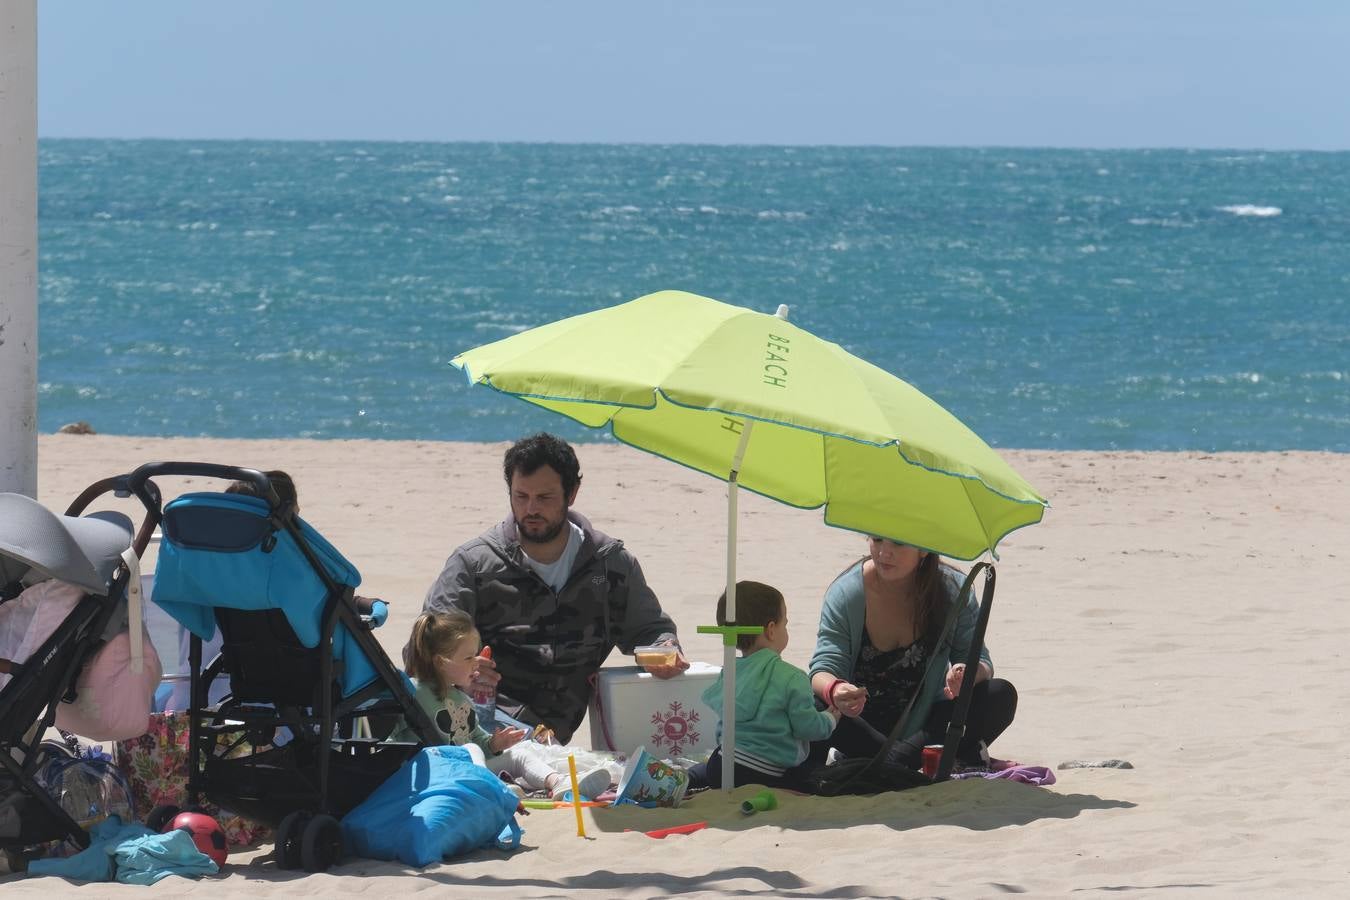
x=161 y=816
x=321 y=845
x=17 y=860
x=287 y=849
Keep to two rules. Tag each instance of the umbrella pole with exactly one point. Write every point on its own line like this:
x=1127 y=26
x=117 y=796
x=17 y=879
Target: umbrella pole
x=729 y=647
x=729 y=644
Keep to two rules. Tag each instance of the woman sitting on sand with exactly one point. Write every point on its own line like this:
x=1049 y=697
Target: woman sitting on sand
x=879 y=624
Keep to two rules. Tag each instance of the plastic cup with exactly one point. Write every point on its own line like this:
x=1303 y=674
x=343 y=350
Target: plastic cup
x=655 y=655
x=932 y=758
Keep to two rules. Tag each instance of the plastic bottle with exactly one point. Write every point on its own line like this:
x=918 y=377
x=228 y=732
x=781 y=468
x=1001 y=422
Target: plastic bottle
x=485 y=702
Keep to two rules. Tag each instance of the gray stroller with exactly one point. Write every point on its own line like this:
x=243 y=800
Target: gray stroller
x=46 y=640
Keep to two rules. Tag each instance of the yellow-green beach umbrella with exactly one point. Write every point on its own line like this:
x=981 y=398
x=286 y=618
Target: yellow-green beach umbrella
x=754 y=400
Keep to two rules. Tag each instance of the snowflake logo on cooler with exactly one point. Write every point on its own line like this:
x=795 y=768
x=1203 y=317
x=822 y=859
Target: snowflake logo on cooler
x=675 y=727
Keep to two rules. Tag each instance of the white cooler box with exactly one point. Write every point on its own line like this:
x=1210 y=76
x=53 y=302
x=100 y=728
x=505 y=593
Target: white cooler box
x=633 y=708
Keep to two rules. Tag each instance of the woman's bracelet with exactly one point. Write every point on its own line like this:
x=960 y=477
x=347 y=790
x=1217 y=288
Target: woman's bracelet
x=829 y=692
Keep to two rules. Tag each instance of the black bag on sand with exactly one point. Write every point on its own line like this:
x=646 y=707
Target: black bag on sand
x=863 y=776
x=895 y=767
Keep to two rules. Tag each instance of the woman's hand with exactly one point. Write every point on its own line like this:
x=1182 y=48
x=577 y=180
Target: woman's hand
x=506 y=737
x=958 y=672
x=849 y=699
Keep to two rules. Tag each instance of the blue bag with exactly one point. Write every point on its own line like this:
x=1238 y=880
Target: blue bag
x=439 y=804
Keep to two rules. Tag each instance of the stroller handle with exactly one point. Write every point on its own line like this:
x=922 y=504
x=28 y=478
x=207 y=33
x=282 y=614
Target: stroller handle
x=138 y=483
x=138 y=478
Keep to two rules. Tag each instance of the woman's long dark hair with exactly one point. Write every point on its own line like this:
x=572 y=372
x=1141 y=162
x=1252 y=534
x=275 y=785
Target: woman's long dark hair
x=930 y=598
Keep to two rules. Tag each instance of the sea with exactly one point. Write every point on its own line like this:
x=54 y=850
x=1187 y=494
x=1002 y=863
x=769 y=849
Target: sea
x=1059 y=299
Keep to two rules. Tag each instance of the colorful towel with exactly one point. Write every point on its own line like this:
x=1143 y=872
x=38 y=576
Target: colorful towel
x=156 y=765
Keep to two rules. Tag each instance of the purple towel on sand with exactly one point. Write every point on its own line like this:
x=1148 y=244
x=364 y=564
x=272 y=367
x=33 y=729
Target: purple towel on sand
x=1037 y=775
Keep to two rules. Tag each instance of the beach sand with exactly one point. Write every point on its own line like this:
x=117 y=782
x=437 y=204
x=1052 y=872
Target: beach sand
x=1182 y=611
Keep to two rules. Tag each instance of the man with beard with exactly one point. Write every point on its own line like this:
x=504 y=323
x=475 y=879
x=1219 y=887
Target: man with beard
x=550 y=594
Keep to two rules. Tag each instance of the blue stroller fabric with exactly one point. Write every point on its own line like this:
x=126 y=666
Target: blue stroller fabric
x=439 y=804
x=220 y=550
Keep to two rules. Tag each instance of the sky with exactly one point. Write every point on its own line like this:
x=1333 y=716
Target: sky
x=1057 y=73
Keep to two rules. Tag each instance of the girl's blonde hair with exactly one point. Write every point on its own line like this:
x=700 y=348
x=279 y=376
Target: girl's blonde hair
x=435 y=634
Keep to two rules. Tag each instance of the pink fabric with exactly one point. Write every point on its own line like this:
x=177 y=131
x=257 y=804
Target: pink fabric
x=30 y=618
x=114 y=702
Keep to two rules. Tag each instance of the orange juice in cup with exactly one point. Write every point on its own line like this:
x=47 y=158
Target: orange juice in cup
x=656 y=655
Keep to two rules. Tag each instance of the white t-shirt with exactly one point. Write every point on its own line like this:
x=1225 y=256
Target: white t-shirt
x=555 y=573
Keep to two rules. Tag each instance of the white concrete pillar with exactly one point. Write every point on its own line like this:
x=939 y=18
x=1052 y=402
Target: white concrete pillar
x=18 y=246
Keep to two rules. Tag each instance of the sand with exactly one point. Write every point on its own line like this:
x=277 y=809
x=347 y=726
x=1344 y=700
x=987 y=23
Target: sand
x=1182 y=611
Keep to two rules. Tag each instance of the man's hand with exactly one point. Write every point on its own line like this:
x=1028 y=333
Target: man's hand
x=673 y=669
x=485 y=674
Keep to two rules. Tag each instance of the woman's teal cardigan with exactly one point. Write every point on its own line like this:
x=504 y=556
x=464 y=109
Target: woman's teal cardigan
x=839 y=638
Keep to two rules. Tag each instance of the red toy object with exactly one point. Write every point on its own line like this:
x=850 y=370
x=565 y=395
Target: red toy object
x=677 y=829
x=206 y=833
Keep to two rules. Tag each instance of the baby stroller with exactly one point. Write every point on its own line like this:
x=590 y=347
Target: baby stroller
x=306 y=675
x=63 y=595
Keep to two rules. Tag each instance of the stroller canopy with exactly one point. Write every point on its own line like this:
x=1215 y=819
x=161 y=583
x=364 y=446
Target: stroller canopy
x=83 y=551
x=220 y=551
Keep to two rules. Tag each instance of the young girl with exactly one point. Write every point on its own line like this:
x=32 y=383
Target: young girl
x=442 y=658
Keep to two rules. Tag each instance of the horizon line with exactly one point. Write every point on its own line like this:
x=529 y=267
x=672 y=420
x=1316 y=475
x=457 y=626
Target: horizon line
x=728 y=145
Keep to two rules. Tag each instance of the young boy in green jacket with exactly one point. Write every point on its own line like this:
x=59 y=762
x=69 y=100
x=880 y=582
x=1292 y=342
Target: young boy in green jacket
x=776 y=715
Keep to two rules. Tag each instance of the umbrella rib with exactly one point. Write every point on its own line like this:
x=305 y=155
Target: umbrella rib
x=989 y=540
x=1036 y=499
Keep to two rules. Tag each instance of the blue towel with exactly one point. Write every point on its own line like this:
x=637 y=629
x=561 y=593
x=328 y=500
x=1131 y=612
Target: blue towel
x=145 y=860
x=132 y=854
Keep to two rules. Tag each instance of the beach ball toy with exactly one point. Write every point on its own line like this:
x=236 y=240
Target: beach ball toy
x=206 y=833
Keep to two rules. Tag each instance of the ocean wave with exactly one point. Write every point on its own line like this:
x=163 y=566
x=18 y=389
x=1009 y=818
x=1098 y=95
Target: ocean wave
x=1162 y=223
x=1249 y=209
